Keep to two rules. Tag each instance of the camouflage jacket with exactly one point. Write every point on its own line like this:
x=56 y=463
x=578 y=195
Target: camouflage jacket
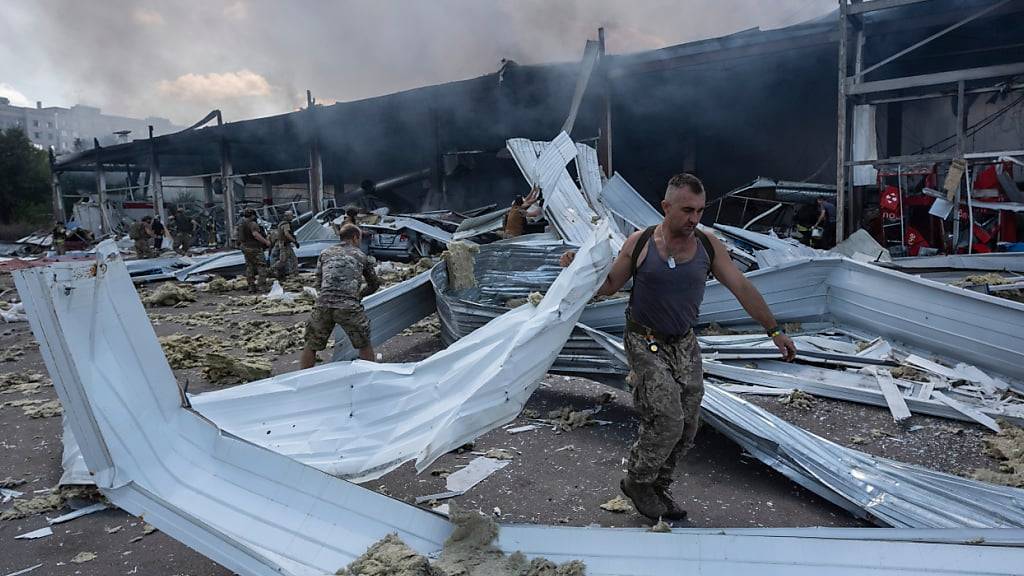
x=340 y=273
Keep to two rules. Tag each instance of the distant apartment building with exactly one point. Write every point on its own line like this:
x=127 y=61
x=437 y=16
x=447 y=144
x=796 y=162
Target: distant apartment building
x=73 y=129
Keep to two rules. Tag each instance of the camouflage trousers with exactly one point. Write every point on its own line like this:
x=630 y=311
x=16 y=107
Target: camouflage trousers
x=255 y=267
x=668 y=386
x=287 y=262
x=144 y=248
x=350 y=316
x=182 y=242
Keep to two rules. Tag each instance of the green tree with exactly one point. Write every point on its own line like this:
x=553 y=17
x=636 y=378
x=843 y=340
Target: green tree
x=24 y=177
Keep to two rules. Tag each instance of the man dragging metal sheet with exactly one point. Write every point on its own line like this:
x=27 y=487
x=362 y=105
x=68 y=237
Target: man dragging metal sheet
x=670 y=263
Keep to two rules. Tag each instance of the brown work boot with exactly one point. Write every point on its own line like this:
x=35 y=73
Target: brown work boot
x=672 y=509
x=644 y=498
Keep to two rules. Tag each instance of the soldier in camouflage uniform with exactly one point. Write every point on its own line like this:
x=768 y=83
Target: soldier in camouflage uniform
x=287 y=262
x=340 y=273
x=252 y=242
x=184 y=228
x=142 y=234
x=669 y=264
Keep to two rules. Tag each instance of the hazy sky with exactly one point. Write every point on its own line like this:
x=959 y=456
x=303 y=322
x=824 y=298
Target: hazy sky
x=182 y=58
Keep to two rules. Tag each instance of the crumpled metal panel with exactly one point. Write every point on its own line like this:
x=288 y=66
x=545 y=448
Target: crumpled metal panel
x=889 y=492
x=314 y=231
x=398 y=223
x=235 y=259
x=260 y=513
x=477 y=225
x=625 y=202
x=565 y=206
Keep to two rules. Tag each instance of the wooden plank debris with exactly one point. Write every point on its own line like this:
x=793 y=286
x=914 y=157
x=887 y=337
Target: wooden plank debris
x=893 y=397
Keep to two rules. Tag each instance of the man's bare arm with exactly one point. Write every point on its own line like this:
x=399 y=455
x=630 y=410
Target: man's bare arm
x=620 y=270
x=726 y=272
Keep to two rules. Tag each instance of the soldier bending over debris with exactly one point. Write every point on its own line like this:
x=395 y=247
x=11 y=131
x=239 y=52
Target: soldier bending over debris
x=252 y=243
x=340 y=273
x=670 y=263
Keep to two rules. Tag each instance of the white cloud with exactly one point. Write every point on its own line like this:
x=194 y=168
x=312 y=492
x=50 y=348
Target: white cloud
x=12 y=94
x=216 y=86
x=148 y=17
x=237 y=10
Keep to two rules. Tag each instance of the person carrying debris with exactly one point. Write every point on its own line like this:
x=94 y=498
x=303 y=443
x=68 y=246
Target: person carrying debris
x=515 y=220
x=252 y=242
x=287 y=262
x=142 y=234
x=340 y=273
x=59 y=238
x=184 y=228
x=669 y=264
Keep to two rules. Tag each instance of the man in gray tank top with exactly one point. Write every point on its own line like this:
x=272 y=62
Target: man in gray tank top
x=670 y=264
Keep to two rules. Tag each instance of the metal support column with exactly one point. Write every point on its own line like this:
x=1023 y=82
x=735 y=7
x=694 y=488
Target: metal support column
x=604 y=145
x=208 y=192
x=316 y=173
x=101 y=198
x=841 y=129
x=57 y=198
x=268 y=192
x=229 y=192
x=155 y=183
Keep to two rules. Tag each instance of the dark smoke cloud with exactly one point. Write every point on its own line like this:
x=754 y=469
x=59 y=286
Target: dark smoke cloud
x=255 y=57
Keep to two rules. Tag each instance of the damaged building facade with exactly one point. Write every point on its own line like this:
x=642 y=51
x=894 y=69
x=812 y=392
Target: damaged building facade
x=730 y=109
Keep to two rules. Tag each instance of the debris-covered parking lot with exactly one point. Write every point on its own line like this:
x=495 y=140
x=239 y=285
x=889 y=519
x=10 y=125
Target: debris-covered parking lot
x=564 y=459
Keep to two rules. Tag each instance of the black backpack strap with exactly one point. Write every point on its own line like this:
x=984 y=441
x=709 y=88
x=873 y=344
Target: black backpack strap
x=707 y=246
x=645 y=236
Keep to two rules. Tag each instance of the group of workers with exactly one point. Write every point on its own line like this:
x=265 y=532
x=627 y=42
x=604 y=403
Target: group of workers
x=669 y=264
x=149 y=232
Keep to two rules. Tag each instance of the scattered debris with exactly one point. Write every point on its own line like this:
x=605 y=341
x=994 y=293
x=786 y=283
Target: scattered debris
x=477 y=470
x=12 y=354
x=530 y=413
x=78 y=513
x=10 y=482
x=391 y=556
x=521 y=429
x=430 y=325
x=37 y=408
x=567 y=419
x=661 y=526
x=469 y=551
x=148 y=529
x=170 y=294
x=114 y=530
x=459 y=260
x=905 y=372
x=53 y=499
x=798 y=399
x=440 y=472
x=500 y=454
x=188 y=350
x=714 y=329
x=83 y=557
x=535 y=298
x=22 y=382
x=25 y=571
x=223 y=369
x=41 y=533
x=569 y=447
x=1008 y=447
x=617 y=504
x=220 y=285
